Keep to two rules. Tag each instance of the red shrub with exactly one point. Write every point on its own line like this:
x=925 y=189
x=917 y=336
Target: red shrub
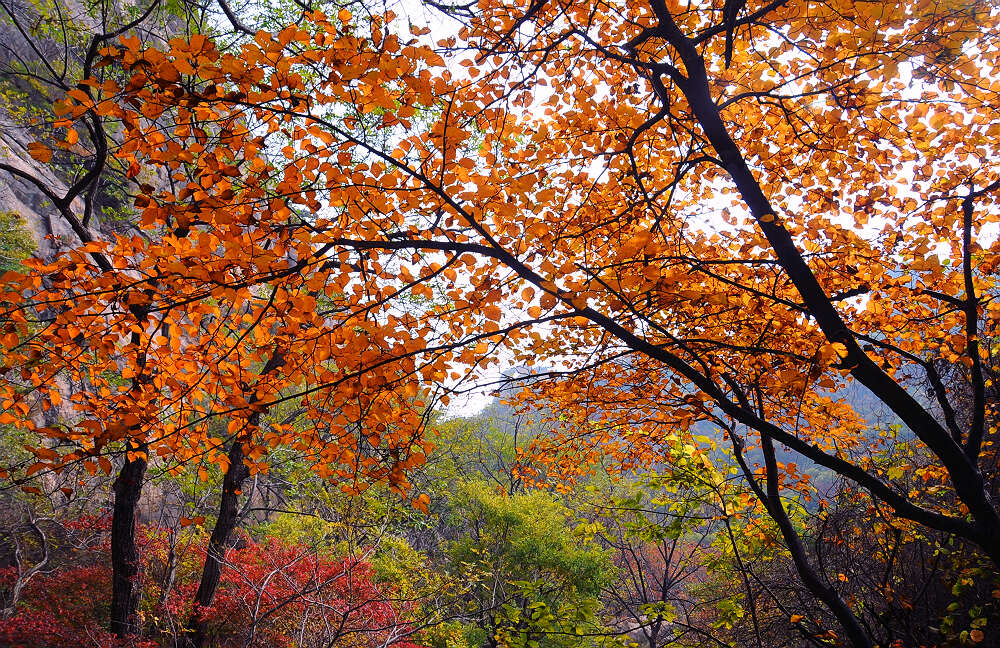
x=275 y=593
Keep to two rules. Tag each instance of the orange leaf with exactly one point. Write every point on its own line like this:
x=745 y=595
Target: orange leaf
x=39 y=151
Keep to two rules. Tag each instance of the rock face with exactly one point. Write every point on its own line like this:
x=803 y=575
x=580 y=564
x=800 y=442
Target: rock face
x=19 y=196
x=38 y=54
x=41 y=58
x=31 y=57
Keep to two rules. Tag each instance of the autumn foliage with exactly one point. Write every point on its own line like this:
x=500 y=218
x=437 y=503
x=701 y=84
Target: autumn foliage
x=757 y=238
x=242 y=271
x=273 y=594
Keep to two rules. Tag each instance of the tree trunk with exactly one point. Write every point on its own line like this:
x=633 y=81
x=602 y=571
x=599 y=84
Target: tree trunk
x=232 y=483
x=125 y=588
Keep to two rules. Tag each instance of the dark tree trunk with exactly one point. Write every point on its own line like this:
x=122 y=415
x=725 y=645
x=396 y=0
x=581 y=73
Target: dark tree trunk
x=232 y=486
x=125 y=588
x=232 y=483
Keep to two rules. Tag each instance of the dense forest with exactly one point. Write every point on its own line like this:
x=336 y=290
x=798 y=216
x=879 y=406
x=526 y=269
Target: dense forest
x=499 y=324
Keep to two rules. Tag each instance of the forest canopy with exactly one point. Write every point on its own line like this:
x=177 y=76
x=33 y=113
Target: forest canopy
x=730 y=267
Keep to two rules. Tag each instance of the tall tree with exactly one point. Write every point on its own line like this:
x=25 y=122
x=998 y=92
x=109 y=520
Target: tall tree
x=226 y=306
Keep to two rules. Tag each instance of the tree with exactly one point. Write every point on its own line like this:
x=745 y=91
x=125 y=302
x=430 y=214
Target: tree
x=726 y=213
x=530 y=578
x=753 y=315
x=153 y=357
x=660 y=528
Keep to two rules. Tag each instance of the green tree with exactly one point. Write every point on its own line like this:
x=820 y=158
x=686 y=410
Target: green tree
x=532 y=579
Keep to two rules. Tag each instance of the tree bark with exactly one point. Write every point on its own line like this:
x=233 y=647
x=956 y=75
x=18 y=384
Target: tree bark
x=232 y=483
x=125 y=588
